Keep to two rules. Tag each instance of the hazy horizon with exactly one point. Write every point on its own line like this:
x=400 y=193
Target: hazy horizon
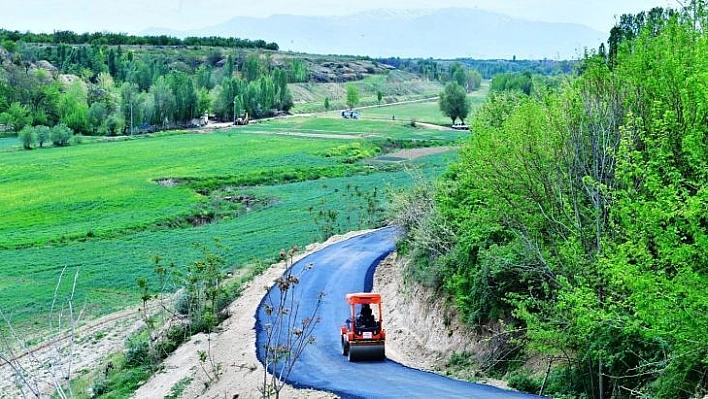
x=134 y=16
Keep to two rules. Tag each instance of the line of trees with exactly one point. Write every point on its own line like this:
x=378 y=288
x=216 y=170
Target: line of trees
x=112 y=91
x=577 y=216
x=116 y=39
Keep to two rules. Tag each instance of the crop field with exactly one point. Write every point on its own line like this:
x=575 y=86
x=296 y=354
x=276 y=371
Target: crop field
x=333 y=124
x=395 y=86
x=98 y=207
x=427 y=111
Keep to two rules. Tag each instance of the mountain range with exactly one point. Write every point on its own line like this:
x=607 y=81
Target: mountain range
x=442 y=33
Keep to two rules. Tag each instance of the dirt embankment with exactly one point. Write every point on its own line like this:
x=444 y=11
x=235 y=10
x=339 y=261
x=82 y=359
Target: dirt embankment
x=421 y=331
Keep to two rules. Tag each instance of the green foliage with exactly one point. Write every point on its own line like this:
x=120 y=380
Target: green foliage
x=73 y=108
x=17 y=116
x=352 y=96
x=43 y=134
x=298 y=71
x=524 y=383
x=137 y=350
x=578 y=212
x=28 y=137
x=61 y=135
x=512 y=82
x=454 y=102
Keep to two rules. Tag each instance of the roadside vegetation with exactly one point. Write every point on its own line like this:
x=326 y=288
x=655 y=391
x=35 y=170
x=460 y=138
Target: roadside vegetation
x=576 y=218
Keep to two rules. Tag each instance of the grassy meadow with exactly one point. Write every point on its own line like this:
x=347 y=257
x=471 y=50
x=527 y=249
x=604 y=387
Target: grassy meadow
x=395 y=86
x=100 y=207
x=424 y=111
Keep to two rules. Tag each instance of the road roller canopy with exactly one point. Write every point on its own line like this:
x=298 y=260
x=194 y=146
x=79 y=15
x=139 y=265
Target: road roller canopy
x=360 y=298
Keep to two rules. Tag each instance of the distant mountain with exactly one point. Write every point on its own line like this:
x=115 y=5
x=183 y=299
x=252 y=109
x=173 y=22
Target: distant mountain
x=442 y=33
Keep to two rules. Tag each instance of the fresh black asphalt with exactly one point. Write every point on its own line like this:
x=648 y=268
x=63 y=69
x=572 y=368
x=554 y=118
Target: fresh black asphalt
x=341 y=268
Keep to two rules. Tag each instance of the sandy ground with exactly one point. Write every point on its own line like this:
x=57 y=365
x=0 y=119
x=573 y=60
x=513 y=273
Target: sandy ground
x=233 y=348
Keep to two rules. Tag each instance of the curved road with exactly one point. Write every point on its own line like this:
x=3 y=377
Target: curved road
x=348 y=266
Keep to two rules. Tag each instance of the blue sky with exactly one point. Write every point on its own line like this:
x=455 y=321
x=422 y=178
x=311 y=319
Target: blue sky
x=132 y=16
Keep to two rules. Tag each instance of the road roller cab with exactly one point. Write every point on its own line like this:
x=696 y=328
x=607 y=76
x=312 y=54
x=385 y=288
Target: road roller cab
x=363 y=335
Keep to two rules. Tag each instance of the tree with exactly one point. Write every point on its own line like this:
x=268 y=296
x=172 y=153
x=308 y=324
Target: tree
x=43 y=134
x=474 y=80
x=288 y=329
x=129 y=104
x=165 y=102
x=327 y=105
x=460 y=77
x=252 y=68
x=16 y=117
x=73 y=108
x=352 y=96
x=379 y=96
x=454 y=102
x=298 y=71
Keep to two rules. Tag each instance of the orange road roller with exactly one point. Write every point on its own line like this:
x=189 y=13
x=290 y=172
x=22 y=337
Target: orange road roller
x=363 y=335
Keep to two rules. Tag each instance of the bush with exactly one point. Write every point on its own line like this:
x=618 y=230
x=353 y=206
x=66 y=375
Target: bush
x=28 y=137
x=61 y=135
x=42 y=134
x=100 y=387
x=137 y=351
x=524 y=383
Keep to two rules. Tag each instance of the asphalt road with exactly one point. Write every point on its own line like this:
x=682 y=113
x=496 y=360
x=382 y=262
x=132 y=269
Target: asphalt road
x=348 y=266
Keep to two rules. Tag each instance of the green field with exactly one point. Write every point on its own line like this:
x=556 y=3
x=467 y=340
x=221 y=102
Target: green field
x=395 y=86
x=334 y=124
x=98 y=206
x=425 y=111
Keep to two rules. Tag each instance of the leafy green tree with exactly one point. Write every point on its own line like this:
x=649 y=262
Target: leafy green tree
x=203 y=101
x=164 y=102
x=16 y=117
x=327 y=104
x=229 y=67
x=454 y=103
x=203 y=78
x=43 y=134
x=252 y=68
x=185 y=96
x=9 y=45
x=98 y=116
x=284 y=99
x=223 y=97
x=474 y=80
x=73 y=108
x=352 y=96
x=379 y=96
x=460 y=77
x=130 y=104
x=298 y=71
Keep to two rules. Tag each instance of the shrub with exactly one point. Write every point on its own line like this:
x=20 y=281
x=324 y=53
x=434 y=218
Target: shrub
x=61 y=135
x=137 y=351
x=28 y=137
x=524 y=383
